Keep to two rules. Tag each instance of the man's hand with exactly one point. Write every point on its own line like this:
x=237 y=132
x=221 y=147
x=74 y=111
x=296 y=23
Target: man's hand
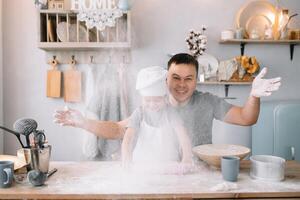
x=264 y=87
x=69 y=117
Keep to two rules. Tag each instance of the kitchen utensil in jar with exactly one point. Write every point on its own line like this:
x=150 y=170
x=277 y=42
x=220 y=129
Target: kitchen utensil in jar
x=25 y=126
x=39 y=138
x=15 y=133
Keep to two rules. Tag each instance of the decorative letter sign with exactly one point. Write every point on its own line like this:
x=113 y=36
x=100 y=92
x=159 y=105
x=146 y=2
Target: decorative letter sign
x=97 y=13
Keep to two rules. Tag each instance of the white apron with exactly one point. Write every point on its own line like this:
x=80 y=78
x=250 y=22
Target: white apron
x=156 y=144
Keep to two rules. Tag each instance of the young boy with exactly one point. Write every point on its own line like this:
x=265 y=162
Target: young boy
x=154 y=128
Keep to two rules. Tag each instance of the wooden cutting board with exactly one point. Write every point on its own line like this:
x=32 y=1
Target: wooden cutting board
x=54 y=81
x=18 y=163
x=72 y=84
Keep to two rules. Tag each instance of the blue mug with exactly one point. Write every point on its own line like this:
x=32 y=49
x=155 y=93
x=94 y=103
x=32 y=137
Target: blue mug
x=6 y=174
x=230 y=166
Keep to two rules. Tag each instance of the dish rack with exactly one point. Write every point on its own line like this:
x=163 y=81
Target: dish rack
x=62 y=30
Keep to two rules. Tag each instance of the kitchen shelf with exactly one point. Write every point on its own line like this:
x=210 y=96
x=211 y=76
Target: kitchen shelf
x=81 y=45
x=82 y=38
x=243 y=42
x=226 y=85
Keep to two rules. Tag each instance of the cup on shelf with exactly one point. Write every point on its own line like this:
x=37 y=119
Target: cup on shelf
x=239 y=33
x=227 y=34
x=294 y=34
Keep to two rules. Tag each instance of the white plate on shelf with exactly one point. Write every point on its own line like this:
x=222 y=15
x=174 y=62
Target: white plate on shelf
x=62 y=33
x=209 y=63
x=253 y=8
x=258 y=23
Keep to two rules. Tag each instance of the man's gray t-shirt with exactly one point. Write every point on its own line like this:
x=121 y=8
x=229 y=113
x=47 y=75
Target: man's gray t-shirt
x=198 y=115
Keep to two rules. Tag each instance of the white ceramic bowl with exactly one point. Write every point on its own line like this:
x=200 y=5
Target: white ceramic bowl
x=212 y=153
x=266 y=167
x=227 y=35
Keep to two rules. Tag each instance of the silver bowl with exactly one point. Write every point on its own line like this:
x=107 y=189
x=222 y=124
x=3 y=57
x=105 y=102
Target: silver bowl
x=266 y=167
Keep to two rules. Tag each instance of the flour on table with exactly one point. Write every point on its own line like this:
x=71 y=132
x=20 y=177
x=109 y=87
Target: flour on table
x=225 y=186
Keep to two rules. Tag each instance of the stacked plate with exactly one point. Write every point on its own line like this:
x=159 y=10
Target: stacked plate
x=82 y=31
x=256 y=16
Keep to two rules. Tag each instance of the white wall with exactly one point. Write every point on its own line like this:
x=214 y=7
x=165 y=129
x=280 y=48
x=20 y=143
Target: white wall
x=1 y=80
x=159 y=27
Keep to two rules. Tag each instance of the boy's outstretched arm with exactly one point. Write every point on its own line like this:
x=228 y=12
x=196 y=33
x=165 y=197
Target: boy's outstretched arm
x=105 y=129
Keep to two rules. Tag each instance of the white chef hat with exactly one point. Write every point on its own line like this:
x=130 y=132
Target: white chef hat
x=151 y=81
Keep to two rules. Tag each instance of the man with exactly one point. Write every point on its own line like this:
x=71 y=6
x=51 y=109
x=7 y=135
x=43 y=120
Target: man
x=197 y=109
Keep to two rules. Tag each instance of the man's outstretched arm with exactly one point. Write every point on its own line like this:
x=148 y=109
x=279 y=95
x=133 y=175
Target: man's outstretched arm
x=248 y=114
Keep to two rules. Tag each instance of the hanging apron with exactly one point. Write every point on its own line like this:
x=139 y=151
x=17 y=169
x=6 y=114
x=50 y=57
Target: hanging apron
x=156 y=144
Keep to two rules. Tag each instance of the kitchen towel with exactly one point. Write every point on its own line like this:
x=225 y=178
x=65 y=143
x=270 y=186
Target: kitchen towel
x=106 y=103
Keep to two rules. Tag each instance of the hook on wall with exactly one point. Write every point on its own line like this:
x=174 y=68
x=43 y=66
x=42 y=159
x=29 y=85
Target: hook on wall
x=53 y=62
x=110 y=58
x=73 y=62
x=124 y=59
x=101 y=57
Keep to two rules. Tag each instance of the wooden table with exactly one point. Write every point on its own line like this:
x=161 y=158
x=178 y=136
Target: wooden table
x=107 y=180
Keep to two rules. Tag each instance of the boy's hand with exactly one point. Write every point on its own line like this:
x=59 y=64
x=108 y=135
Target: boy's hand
x=69 y=117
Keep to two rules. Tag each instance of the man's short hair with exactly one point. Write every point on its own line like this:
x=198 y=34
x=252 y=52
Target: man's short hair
x=184 y=58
